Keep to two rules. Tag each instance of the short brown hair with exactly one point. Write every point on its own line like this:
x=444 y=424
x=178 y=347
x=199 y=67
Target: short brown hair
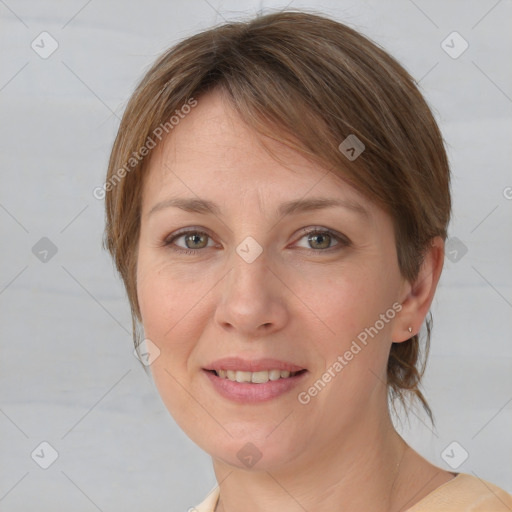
x=309 y=82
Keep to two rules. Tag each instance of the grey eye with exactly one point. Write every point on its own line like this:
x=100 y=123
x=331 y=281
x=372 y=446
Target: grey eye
x=195 y=240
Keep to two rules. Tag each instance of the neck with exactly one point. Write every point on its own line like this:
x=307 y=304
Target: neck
x=352 y=473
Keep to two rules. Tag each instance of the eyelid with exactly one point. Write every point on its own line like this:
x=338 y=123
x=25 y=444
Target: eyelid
x=322 y=229
x=168 y=240
x=343 y=241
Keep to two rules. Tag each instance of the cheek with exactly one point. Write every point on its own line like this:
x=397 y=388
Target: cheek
x=168 y=319
x=357 y=309
x=165 y=297
x=352 y=302
x=168 y=315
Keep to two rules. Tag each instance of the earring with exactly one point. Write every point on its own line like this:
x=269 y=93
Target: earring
x=410 y=329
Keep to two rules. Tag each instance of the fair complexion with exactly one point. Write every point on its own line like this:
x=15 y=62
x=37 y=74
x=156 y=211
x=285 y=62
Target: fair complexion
x=304 y=299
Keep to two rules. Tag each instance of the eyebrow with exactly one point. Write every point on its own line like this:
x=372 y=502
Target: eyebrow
x=205 y=207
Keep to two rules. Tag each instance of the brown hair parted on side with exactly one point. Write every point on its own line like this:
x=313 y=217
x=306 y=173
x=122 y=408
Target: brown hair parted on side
x=309 y=82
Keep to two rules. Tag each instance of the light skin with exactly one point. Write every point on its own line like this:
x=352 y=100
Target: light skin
x=303 y=300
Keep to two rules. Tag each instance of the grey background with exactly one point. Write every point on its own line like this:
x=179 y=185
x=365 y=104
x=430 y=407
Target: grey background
x=67 y=372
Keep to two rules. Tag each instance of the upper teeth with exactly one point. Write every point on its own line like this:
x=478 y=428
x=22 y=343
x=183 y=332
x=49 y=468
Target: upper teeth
x=256 y=377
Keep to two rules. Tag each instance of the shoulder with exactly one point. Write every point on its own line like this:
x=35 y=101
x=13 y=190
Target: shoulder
x=465 y=493
x=209 y=503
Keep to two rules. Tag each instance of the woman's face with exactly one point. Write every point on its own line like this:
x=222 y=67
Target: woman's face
x=252 y=282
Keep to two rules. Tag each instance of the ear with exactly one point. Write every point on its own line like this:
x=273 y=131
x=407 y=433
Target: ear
x=417 y=296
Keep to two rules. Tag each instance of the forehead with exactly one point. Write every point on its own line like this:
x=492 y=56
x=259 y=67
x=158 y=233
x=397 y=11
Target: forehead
x=213 y=154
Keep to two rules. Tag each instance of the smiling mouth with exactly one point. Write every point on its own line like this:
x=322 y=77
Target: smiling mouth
x=260 y=377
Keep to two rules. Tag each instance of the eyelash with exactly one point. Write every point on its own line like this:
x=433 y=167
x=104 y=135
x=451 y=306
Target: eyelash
x=341 y=239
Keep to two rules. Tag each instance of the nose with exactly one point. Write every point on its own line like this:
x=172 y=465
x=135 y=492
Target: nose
x=253 y=299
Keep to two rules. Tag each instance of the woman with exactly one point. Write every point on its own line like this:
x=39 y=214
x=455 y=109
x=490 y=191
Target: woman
x=277 y=203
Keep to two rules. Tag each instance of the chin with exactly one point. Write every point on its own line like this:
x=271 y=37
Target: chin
x=253 y=454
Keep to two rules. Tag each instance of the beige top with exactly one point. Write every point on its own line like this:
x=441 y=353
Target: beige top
x=464 y=493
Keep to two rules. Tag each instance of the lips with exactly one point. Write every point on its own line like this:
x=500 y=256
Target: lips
x=253 y=381
x=255 y=365
x=258 y=390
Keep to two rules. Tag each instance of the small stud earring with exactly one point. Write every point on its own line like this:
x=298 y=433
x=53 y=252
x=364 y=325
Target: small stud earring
x=410 y=329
